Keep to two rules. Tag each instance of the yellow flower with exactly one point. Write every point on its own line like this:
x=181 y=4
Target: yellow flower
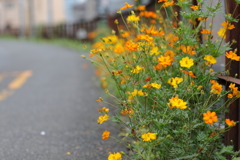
x=177 y=102
x=175 y=81
x=165 y=61
x=222 y=32
x=149 y=136
x=230 y=123
x=140 y=93
x=149 y=86
x=186 y=62
x=210 y=117
x=155 y=85
x=137 y=69
x=155 y=51
x=110 y=39
x=115 y=156
x=133 y=18
x=101 y=119
x=210 y=59
x=104 y=109
x=126 y=6
x=136 y=92
x=105 y=135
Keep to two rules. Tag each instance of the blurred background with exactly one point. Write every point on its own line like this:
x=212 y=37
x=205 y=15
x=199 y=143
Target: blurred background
x=73 y=19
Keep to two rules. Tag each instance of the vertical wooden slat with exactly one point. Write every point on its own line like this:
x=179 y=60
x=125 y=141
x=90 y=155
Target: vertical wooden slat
x=233 y=136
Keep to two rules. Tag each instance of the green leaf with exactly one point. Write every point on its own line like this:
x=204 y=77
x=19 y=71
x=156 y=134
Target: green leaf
x=187 y=157
x=237 y=1
x=227 y=150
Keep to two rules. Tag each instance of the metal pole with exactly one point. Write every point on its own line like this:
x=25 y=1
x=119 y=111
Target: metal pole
x=2 y=22
x=31 y=18
x=21 y=19
x=50 y=16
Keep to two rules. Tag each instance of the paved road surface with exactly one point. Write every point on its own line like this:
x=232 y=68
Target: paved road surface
x=47 y=105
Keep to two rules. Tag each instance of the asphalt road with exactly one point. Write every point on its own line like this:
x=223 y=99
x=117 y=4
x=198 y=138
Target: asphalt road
x=47 y=105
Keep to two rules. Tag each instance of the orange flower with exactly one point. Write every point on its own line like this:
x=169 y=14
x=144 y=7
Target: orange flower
x=188 y=49
x=194 y=7
x=206 y=31
x=190 y=73
x=125 y=34
x=152 y=32
x=169 y=53
x=165 y=60
x=167 y=4
x=126 y=6
x=144 y=37
x=119 y=49
x=127 y=111
x=124 y=112
x=148 y=79
x=100 y=99
x=210 y=117
x=141 y=8
x=131 y=46
x=227 y=25
x=216 y=88
x=159 y=1
x=234 y=90
x=148 y=14
x=202 y=18
x=230 y=123
x=214 y=133
x=105 y=135
x=233 y=56
x=104 y=109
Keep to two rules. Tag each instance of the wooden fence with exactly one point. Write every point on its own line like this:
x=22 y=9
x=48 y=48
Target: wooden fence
x=77 y=31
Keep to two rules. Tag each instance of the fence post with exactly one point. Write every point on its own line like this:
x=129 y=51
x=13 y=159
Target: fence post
x=233 y=136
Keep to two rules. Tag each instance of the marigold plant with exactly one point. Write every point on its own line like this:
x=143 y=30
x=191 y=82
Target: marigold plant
x=169 y=102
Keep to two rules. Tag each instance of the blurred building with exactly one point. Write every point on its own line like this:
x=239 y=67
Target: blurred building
x=84 y=10
x=14 y=13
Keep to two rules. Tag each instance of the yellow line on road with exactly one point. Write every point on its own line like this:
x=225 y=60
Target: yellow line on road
x=20 y=80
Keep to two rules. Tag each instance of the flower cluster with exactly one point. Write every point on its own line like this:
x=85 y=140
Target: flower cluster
x=167 y=95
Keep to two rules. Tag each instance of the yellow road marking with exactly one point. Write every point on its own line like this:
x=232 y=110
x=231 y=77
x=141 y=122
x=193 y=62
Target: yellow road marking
x=20 y=80
x=5 y=93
